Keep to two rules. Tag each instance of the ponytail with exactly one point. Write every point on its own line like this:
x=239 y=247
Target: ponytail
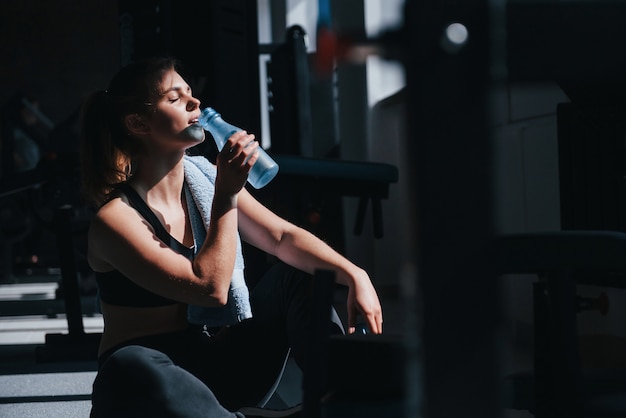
x=107 y=147
x=103 y=164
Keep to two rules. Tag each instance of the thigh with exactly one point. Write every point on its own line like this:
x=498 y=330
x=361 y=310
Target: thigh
x=242 y=362
x=246 y=359
x=137 y=381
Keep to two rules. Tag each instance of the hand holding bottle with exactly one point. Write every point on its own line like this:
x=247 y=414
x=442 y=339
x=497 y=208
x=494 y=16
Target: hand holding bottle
x=265 y=168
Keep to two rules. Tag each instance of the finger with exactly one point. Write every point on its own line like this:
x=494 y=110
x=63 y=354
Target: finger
x=378 y=325
x=239 y=134
x=251 y=147
x=249 y=140
x=242 y=153
x=235 y=139
x=253 y=158
x=375 y=323
x=351 y=320
x=249 y=154
x=371 y=324
x=245 y=143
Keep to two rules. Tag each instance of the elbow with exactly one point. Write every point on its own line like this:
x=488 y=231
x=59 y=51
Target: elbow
x=219 y=296
x=220 y=299
x=210 y=299
x=213 y=290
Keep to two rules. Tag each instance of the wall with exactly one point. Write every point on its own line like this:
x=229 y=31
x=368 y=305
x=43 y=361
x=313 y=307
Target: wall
x=57 y=50
x=526 y=184
x=526 y=193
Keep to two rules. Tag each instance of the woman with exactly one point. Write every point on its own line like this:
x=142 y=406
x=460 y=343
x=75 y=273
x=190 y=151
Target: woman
x=152 y=262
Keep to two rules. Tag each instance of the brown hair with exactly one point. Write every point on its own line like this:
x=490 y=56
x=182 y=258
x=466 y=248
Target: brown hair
x=107 y=148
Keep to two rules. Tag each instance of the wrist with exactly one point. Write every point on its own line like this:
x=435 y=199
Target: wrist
x=353 y=277
x=224 y=202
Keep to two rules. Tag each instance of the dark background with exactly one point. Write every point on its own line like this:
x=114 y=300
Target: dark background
x=57 y=51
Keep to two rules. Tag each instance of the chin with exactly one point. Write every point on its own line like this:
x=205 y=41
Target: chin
x=194 y=132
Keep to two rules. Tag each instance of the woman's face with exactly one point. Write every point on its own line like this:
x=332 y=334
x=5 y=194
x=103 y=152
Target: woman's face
x=176 y=113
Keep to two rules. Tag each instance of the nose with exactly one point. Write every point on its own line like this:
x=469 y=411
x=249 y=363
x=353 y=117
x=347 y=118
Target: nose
x=193 y=104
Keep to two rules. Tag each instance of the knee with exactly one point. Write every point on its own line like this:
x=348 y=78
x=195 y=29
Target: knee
x=134 y=360
x=134 y=381
x=133 y=368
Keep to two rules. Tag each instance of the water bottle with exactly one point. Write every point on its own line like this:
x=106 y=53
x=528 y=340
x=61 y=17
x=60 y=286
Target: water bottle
x=263 y=170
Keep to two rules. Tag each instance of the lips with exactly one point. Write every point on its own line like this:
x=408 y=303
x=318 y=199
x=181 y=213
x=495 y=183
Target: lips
x=195 y=119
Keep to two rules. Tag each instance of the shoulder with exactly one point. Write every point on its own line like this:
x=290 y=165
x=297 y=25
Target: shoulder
x=102 y=229
x=105 y=217
x=113 y=227
x=115 y=214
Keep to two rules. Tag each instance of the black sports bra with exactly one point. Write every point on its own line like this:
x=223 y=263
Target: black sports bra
x=117 y=289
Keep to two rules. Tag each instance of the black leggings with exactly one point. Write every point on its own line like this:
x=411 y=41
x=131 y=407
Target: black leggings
x=170 y=375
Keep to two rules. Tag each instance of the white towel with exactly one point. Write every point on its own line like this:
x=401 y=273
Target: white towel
x=200 y=189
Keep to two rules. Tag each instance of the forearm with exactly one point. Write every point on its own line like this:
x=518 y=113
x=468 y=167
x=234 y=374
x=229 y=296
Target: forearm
x=303 y=250
x=215 y=261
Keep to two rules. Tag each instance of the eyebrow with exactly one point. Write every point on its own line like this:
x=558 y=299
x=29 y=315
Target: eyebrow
x=177 y=89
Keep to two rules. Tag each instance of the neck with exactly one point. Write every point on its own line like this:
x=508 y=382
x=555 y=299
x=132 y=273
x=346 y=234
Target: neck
x=159 y=179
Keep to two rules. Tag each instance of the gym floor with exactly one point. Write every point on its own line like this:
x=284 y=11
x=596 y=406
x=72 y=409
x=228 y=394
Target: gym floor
x=38 y=376
x=29 y=387
x=41 y=378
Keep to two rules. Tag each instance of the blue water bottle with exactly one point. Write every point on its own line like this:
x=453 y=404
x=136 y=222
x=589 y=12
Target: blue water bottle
x=263 y=170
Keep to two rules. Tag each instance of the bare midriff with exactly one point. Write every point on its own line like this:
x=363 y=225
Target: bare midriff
x=123 y=323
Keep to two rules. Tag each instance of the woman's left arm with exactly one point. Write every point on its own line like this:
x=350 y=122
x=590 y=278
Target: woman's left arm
x=299 y=248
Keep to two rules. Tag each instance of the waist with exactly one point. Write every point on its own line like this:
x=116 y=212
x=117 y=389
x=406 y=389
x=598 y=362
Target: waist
x=123 y=323
x=176 y=344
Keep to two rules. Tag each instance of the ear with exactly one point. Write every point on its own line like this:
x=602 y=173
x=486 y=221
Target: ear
x=135 y=125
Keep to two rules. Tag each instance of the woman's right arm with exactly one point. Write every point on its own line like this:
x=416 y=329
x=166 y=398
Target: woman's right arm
x=119 y=238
